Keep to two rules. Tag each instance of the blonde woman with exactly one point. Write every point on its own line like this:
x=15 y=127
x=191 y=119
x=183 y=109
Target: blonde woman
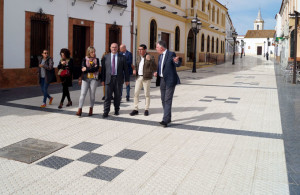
x=89 y=79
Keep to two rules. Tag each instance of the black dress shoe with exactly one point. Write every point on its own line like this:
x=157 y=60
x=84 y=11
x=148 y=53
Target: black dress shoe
x=117 y=113
x=146 y=113
x=127 y=99
x=103 y=98
x=105 y=115
x=134 y=112
x=163 y=123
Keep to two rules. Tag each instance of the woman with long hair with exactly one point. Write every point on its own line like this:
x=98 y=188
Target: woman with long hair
x=65 y=70
x=89 y=79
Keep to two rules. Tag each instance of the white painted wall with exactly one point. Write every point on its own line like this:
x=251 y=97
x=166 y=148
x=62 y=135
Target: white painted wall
x=255 y=42
x=14 y=25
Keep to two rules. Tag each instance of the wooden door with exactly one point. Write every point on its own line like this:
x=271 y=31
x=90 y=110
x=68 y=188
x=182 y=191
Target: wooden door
x=114 y=36
x=79 y=48
x=259 y=50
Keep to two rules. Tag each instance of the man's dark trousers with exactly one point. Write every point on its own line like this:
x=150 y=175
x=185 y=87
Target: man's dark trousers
x=116 y=88
x=166 y=99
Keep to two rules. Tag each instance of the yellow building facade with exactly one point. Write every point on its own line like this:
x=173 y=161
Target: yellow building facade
x=170 y=20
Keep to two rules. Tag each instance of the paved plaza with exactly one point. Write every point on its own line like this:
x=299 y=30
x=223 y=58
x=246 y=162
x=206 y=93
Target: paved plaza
x=235 y=130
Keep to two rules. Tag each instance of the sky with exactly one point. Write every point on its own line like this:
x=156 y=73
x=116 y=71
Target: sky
x=244 y=12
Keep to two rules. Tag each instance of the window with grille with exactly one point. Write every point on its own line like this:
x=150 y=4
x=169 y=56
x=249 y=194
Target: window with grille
x=208 y=41
x=212 y=45
x=202 y=43
x=217 y=51
x=177 y=38
x=153 y=34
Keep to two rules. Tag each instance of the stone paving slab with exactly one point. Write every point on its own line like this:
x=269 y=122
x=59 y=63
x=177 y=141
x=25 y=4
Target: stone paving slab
x=234 y=144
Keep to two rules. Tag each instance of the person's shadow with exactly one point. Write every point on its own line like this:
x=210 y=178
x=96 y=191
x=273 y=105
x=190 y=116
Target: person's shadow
x=177 y=109
x=205 y=117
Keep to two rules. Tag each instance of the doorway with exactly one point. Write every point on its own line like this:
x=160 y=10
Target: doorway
x=80 y=44
x=259 y=50
x=113 y=35
x=165 y=37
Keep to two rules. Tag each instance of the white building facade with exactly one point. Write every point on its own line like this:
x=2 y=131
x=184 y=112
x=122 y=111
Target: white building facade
x=259 y=41
x=229 y=43
x=285 y=30
x=30 y=26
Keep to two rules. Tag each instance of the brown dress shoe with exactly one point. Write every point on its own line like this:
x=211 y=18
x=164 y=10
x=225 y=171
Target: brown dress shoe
x=91 y=111
x=79 y=112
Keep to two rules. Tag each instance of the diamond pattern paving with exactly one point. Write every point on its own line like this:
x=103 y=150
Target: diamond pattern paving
x=94 y=158
x=86 y=146
x=130 y=154
x=55 y=162
x=104 y=173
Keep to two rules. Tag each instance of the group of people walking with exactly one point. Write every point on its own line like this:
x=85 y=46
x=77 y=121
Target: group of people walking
x=112 y=71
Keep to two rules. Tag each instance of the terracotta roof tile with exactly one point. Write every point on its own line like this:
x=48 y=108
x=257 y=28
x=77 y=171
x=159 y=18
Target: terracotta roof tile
x=260 y=33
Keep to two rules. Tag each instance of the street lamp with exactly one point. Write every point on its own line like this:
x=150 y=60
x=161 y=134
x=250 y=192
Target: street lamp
x=196 y=26
x=234 y=35
x=244 y=48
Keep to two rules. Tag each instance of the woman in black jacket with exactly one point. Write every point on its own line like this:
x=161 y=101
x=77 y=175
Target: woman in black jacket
x=65 y=66
x=89 y=79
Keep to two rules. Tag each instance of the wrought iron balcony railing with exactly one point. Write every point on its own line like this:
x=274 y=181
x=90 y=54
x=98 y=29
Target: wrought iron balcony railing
x=118 y=3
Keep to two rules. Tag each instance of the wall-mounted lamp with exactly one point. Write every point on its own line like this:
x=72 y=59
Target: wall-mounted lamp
x=211 y=26
x=148 y=2
x=174 y=12
x=216 y=28
x=73 y=3
x=94 y=2
x=51 y=0
x=163 y=7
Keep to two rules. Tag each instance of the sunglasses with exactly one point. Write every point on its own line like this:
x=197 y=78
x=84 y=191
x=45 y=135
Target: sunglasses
x=45 y=53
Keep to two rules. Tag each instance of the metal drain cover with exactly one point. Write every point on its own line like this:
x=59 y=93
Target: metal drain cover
x=29 y=150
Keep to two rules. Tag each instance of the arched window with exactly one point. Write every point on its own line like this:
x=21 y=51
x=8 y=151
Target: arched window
x=153 y=34
x=212 y=45
x=292 y=44
x=257 y=28
x=202 y=43
x=208 y=46
x=218 y=16
x=192 y=3
x=217 y=47
x=203 y=5
x=213 y=14
x=177 y=38
x=208 y=9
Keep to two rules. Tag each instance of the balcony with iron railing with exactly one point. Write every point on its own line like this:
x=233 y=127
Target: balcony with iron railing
x=118 y=3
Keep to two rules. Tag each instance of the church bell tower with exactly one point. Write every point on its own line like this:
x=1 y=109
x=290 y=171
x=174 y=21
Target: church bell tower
x=259 y=22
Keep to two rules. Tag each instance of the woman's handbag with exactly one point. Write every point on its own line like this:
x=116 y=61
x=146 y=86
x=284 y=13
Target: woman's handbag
x=65 y=73
x=59 y=72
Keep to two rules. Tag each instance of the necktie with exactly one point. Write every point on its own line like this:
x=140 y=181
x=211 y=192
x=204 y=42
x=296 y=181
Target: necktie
x=113 y=66
x=159 y=64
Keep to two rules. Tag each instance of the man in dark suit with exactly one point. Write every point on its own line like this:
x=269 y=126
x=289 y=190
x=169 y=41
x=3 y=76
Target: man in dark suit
x=128 y=56
x=113 y=71
x=167 y=75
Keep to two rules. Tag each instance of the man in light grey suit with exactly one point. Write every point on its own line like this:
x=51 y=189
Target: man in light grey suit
x=113 y=70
